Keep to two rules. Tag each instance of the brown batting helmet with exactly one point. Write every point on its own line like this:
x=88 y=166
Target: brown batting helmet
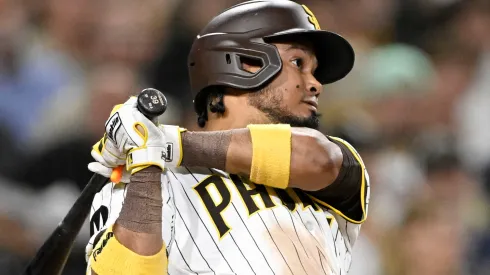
x=245 y=30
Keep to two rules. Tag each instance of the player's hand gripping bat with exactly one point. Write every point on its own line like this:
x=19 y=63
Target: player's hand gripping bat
x=50 y=259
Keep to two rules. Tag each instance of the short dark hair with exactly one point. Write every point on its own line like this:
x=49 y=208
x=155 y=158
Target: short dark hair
x=214 y=100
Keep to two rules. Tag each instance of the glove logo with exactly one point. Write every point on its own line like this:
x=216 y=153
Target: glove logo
x=168 y=155
x=130 y=159
x=112 y=126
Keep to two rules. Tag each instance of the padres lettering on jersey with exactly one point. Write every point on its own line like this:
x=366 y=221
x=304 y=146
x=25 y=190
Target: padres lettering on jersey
x=215 y=223
x=249 y=193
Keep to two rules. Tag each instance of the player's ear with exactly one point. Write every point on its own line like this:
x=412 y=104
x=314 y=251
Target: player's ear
x=251 y=65
x=215 y=100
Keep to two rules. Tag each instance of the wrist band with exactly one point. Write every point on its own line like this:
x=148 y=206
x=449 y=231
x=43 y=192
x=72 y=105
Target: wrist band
x=271 y=159
x=110 y=257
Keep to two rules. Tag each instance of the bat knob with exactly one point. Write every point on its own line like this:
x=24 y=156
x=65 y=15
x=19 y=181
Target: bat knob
x=151 y=103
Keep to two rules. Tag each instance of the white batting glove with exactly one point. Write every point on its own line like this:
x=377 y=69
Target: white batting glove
x=100 y=169
x=105 y=152
x=173 y=152
x=144 y=148
x=108 y=157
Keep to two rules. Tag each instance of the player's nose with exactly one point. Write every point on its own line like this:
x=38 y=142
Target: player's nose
x=313 y=86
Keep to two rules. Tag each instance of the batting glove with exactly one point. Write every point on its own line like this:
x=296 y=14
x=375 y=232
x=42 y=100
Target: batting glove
x=107 y=157
x=100 y=169
x=139 y=148
x=106 y=152
x=173 y=152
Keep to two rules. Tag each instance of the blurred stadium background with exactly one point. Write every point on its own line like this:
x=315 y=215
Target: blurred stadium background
x=416 y=106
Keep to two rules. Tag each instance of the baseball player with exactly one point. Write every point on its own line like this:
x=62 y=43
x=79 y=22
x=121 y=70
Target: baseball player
x=259 y=190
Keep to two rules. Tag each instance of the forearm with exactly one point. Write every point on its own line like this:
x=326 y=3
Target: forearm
x=139 y=225
x=229 y=150
x=315 y=161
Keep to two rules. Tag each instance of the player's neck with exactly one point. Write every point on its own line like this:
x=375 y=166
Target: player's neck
x=229 y=121
x=215 y=125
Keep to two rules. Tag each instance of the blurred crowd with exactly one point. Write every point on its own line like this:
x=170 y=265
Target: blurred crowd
x=414 y=106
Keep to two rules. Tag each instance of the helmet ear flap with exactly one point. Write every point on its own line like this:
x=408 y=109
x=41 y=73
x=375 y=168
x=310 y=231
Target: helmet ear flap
x=230 y=60
x=218 y=61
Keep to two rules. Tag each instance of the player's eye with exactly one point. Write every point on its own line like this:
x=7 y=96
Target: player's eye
x=298 y=62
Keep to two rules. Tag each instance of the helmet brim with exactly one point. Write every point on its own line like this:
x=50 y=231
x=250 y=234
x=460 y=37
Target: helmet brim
x=335 y=55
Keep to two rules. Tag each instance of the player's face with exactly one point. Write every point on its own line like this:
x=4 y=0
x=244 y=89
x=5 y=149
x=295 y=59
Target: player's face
x=292 y=97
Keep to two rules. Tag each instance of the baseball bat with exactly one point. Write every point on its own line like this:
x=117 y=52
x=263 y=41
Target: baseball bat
x=51 y=258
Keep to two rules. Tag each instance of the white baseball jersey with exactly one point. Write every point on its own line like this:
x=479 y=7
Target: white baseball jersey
x=216 y=223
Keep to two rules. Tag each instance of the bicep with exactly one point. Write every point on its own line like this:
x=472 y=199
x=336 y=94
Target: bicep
x=348 y=195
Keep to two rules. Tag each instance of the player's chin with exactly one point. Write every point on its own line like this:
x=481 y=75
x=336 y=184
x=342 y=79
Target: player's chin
x=308 y=119
x=306 y=112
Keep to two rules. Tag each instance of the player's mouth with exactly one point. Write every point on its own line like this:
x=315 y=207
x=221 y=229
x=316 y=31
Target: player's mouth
x=313 y=104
